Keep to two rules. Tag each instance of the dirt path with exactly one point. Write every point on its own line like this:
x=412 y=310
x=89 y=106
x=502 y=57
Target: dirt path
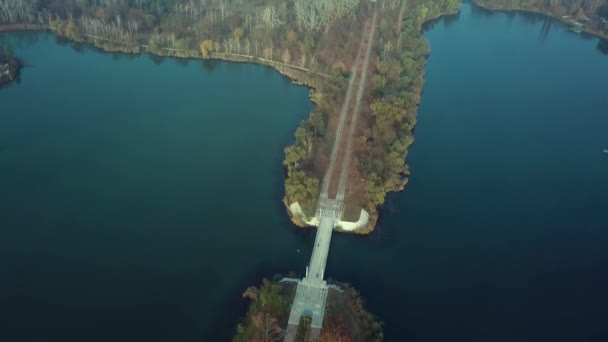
x=355 y=113
x=335 y=181
x=340 y=128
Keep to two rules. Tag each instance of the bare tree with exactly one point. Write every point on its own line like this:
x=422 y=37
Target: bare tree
x=312 y=14
x=270 y=17
x=18 y=11
x=267 y=329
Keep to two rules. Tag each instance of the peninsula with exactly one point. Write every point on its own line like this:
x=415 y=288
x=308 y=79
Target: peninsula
x=367 y=107
x=589 y=16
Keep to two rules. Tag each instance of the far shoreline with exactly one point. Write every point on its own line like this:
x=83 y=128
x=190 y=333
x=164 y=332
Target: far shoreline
x=554 y=16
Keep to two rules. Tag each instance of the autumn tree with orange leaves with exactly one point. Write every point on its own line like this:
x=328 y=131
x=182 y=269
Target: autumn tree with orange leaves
x=335 y=331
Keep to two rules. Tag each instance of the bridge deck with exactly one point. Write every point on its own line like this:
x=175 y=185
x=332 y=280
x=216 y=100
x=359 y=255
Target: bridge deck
x=311 y=293
x=316 y=268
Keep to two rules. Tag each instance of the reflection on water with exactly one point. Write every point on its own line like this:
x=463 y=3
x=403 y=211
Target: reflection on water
x=156 y=59
x=140 y=187
x=545 y=29
x=210 y=65
x=602 y=46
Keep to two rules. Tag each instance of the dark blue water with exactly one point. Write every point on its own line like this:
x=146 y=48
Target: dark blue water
x=138 y=200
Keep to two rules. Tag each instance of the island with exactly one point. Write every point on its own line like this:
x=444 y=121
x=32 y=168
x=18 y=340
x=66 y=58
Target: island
x=9 y=66
x=345 y=319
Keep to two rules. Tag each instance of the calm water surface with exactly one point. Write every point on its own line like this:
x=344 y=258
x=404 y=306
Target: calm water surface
x=138 y=200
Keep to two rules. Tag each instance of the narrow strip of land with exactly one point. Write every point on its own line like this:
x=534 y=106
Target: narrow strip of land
x=340 y=127
x=311 y=292
x=355 y=115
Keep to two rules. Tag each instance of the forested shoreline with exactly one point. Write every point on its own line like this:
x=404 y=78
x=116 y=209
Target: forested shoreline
x=311 y=41
x=305 y=40
x=590 y=16
x=314 y=42
x=388 y=117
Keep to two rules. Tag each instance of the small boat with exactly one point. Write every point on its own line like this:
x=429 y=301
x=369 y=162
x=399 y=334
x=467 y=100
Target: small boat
x=606 y=150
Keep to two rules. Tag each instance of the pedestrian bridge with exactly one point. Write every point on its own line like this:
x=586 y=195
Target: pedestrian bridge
x=311 y=293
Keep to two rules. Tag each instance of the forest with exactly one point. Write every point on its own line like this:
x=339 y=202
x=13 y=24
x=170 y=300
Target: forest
x=285 y=31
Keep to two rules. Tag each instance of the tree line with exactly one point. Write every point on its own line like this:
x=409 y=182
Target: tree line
x=286 y=31
x=398 y=80
x=593 y=13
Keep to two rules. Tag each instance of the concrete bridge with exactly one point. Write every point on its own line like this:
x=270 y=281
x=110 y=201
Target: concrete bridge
x=311 y=293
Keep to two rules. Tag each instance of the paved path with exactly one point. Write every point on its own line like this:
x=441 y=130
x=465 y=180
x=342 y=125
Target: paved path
x=311 y=293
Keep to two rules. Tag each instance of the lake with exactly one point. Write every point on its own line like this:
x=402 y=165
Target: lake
x=140 y=196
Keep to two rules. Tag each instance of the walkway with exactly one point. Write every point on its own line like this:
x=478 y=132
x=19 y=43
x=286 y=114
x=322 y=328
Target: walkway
x=311 y=293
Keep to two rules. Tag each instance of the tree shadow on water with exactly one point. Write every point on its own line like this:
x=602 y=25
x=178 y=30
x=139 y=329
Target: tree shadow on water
x=156 y=59
x=447 y=20
x=182 y=62
x=602 y=46
x=209 y=65
x=545 y=29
